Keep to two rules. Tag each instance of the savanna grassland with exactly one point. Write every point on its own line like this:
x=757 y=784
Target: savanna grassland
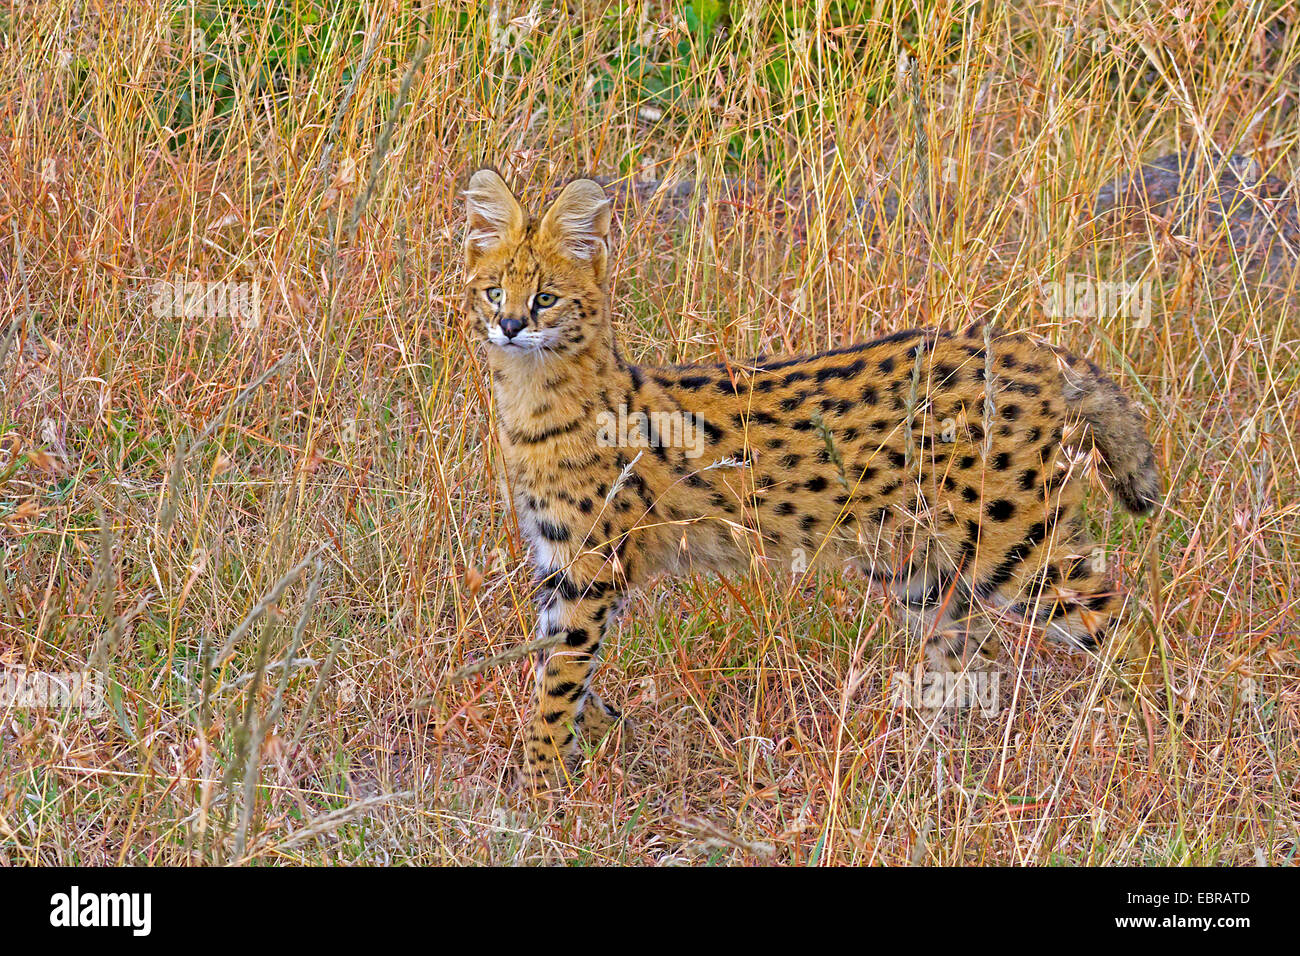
x=277 y=536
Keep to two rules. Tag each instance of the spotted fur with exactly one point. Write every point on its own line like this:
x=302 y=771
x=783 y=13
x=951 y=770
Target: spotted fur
x=945 y=464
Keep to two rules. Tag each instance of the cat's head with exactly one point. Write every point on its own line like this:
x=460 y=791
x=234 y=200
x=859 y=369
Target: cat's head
x=537 y=284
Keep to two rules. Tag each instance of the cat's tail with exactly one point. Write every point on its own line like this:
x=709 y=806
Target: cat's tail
x=1119 y=432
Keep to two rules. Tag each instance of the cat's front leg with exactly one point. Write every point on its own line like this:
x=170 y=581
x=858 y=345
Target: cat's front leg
x=578 y=613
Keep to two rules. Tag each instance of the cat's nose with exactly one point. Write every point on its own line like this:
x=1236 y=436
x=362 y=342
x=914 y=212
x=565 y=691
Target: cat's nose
x=511 y=327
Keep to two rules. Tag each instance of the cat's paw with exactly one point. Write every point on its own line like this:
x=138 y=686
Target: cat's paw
x=542 y=780
x=600 y=721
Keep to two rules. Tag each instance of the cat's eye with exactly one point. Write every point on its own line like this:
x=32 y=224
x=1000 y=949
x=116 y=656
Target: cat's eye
x=494 y=294
x=545 y=300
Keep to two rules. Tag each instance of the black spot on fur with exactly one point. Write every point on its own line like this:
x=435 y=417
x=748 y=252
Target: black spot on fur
x=552 y=532
x=847 y=371
x=1001 y=509
x=838 y=405
x=1007 y=566
x=714 y=433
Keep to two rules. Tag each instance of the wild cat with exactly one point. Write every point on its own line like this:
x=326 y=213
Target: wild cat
x=937 y=461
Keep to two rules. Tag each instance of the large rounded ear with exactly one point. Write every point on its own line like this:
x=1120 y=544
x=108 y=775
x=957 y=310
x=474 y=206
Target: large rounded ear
x=578 y=221
x=492 y=214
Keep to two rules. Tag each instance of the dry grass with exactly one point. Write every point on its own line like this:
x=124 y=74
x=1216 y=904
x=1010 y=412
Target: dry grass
x=766 y=729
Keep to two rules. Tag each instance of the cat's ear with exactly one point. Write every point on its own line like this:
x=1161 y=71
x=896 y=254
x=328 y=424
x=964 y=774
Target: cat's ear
x=578 y=221
x=492 y=214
